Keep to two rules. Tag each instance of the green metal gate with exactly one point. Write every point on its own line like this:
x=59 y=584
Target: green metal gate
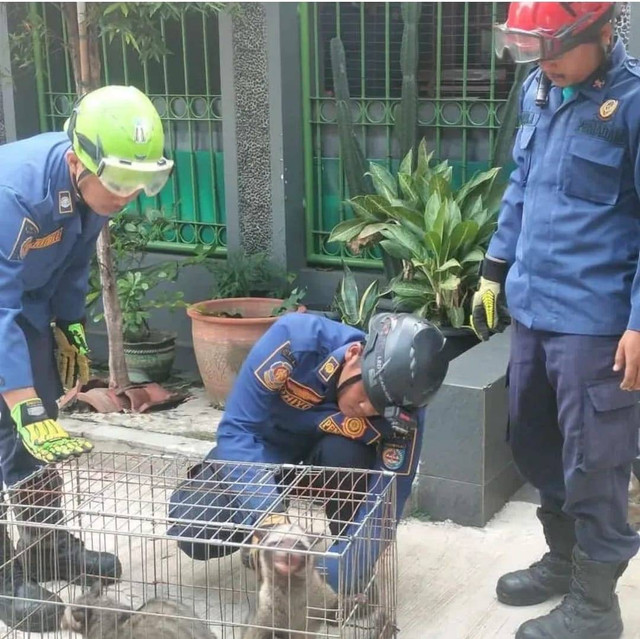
x=184 y=85
x=462 y=89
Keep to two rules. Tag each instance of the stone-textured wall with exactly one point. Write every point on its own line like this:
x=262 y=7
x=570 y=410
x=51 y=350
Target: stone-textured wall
x=623 y=22
x=250 y=71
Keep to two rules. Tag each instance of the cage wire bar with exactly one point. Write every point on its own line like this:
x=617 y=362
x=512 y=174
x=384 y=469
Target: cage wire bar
x=184 y=86
x=462 y=89
x=118 y=503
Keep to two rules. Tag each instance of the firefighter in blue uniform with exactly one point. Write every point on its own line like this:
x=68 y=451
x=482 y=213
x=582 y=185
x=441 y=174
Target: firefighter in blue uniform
x=315 y=391
x=567 y=241
x=57 y=190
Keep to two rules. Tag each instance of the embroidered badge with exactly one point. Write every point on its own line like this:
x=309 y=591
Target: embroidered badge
x=329 y=425
x=598 y=83
x=354 y=427
x=393 y=456
x=328 y=368
x=33 y=243
x=28 y=230
x=65 y=203
x=607 y=109
x=275 y=370
x=299 y=396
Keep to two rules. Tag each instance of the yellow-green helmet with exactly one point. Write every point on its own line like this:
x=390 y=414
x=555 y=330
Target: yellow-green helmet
x=117 y=134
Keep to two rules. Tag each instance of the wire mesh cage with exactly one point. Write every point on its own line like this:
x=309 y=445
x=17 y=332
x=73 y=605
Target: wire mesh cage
x=68 y=524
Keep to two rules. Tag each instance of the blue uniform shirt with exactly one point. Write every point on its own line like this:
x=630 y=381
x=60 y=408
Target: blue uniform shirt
x=46 y=245
x=284 y=401
x=569 y=226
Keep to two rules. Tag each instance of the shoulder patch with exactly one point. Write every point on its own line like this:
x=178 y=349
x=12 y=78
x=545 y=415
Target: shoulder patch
x=275 y=370
x=65 y=203
x=328 y=368
x=299 y=395
x=26 y=234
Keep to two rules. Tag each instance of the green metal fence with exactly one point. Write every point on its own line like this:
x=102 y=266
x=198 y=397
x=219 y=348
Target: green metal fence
x=184 y=86
x=462 y=89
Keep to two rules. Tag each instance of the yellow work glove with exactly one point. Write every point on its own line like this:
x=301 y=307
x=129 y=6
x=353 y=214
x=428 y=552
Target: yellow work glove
x=71 y=353
x=488 y=314
x=42 y=436
x=249 y=556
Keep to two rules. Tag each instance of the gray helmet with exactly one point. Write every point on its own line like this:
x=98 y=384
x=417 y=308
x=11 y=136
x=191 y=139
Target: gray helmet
x=403 y=362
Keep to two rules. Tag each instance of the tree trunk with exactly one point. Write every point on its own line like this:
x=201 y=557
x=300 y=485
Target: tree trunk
x=85 y=57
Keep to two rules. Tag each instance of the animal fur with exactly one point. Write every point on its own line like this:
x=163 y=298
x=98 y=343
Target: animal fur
x=290 y=585
x=119 y=621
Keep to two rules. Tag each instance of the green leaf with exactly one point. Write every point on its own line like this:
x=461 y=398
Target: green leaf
x=431 y=210
x=407 y=163
x=450 y=284
x=449 y=264
x=349 y=294
x=408 y=187
x=396 y=250
x=380 y=206
x=440 y=185
x=456 y=316
x=479 y=184
x=403 y=288
x=406 y=239
x=362 y=209
x=346 y=231
x=383 y=182
x=433 y=242
x=464 y=233
x=412 y=219
x=476 y=255
x=424 y=158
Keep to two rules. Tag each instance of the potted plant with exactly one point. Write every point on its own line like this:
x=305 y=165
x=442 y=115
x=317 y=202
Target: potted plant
x=350 y=307
x=250 y=292
x=149 y=352
x=438 y=232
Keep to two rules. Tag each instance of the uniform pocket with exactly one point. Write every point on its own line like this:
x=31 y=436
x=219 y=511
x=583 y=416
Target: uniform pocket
x=593 y=172
x=525 y=143
x=611 y=421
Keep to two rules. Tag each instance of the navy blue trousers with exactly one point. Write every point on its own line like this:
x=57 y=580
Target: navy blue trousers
x=195 y=500
x=574 y=433
x=16 y=463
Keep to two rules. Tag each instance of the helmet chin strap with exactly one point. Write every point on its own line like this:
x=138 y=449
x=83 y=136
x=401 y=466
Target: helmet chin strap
x=348 y=382
x=75 y=181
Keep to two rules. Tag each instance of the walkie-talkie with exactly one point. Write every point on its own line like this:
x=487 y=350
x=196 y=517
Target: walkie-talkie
x=542 y=94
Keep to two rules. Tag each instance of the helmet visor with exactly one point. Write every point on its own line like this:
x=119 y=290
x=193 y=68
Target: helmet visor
x=125 y=178
x=523 y=46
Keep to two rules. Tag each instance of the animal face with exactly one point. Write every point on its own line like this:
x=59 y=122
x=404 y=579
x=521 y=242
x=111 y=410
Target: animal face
x=285 y=548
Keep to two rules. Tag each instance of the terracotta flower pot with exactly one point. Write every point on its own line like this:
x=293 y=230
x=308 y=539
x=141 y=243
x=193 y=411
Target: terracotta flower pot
x=221 y=344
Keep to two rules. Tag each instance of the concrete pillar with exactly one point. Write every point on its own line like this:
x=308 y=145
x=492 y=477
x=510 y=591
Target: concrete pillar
x=262 y=131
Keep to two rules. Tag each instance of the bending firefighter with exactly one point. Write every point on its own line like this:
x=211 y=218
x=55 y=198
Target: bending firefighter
x=318 y=392
x=566 y=254
x=57 y=190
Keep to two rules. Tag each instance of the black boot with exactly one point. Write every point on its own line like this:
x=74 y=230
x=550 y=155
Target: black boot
x=54 y=554
x=590 y=610
x=552 y=574
x=24 y=605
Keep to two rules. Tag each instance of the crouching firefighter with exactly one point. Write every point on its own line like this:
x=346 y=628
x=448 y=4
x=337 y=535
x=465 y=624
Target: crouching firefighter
x=57 y=191
x=317 y=392
x=566 y=254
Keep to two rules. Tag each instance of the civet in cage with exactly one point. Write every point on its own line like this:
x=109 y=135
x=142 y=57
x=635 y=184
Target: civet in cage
x=244 y=581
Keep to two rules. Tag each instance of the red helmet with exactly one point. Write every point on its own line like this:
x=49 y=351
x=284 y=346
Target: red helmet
x=543 y=30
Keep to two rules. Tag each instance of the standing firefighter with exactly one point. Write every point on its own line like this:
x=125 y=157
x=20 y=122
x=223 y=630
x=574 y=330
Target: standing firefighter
x=57 y=190
x=567 y=241
x=315 y=391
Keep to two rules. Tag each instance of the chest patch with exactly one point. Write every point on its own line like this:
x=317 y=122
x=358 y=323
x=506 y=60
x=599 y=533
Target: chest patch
x=603 y=131
x=27 y=240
